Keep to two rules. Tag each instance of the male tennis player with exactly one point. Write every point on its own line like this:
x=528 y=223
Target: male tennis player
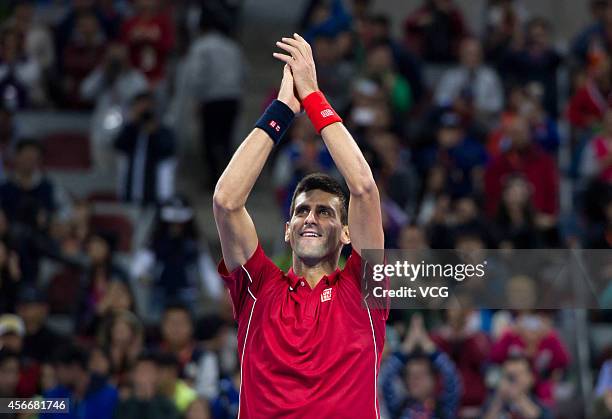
x=309 y=344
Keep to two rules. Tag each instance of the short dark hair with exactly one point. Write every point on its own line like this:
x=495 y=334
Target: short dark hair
x=167 y=360
x=28 y=142
x=177 y=305
x=325 y=183
x=71 y=354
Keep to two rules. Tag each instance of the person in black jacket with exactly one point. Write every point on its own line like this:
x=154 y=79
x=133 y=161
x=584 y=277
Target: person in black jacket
x=148 y=166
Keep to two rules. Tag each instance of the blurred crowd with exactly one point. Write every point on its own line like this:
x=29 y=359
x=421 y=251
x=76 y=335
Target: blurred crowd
x=472 y=136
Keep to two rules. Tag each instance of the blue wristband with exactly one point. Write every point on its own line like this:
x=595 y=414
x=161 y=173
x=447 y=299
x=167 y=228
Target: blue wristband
x=276 y=120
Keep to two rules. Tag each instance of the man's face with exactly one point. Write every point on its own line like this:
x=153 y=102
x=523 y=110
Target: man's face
x=67 y=374
x=176 y=328
x=9 y=376
x=419 y=379
x=33 y=315
x=28 y=160
x=315 y=229
x=518 y=374
x=471 y=53
x=11 y=341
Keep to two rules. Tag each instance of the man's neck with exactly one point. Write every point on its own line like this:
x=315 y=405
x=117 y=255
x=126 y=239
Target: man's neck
x=313 y=272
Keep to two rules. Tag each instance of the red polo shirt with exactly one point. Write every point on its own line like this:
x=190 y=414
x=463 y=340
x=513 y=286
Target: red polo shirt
x=305 y=353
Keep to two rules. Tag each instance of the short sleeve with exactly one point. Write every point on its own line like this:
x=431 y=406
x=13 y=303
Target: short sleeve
x=355 y=269
x=246 y=281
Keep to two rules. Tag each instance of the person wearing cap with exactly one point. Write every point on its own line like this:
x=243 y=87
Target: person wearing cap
x=175 y=260
x=12 y=331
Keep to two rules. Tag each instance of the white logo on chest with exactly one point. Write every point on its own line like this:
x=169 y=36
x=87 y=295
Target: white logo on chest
x=326 y=295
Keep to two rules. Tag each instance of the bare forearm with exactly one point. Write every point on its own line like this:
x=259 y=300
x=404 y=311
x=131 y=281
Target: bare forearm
x=240 y=175
x=348 y=158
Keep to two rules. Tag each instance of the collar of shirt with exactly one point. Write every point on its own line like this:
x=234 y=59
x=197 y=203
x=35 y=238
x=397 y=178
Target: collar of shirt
x=294 y=279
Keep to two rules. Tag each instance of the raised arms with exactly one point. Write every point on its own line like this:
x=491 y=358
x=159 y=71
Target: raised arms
x=365 y=219
x=234 y=224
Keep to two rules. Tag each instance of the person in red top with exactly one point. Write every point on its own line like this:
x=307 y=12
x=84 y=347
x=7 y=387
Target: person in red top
x=528 y=159
x=149 y=35
x=590 y=101
x=602 y=150
x=309 y=344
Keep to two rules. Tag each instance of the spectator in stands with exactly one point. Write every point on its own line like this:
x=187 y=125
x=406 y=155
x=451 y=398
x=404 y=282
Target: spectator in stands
x=536 y=339
x=197 y=366
x=407 y=63
x=10 y=277
x=9 y=373
x=469 y=349
x=145 y=400
x=149 y=36
x=28 y=189
x=602 y=150
x=19 y=74
x=12 y=331
x=147 y=151
x=434 y=31
x=38 y=44
x=525 y=158
x=107 y=18
x=101 y=270
x=460 y=158
x=77 y=229
x=325 y=18
x=113 y=85
x=514 y=393
x=603 y=393
x=180 y=269
x=117 y=297
x=90 y=395
x=225 y=406
x=416 y=367
x=334 y=73
x=471 y=88
x=185 y=398
x=535 y=60
x=8 y=138
x=81 y=56
x=516 y=218
x=596 y=36
x=504 y=25
x=122 y=338
x=592 y=97
x=213 y=79
x=381 y=69
x=12 y=334
x=33 y=308
x=413 y=237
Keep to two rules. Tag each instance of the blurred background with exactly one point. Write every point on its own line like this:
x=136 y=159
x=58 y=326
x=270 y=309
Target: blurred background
x=487 y=123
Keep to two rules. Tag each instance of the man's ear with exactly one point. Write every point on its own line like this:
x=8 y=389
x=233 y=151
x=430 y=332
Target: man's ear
x=345 y=237
x=287 y=232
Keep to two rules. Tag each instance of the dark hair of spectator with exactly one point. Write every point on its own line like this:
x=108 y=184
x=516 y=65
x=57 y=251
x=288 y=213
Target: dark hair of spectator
x=71 y=354
x=7 y=355
x=24 y=143
x=420 y=356
x=161 y=229
x=168 y=360
x=178 y=306
x=325 y=183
